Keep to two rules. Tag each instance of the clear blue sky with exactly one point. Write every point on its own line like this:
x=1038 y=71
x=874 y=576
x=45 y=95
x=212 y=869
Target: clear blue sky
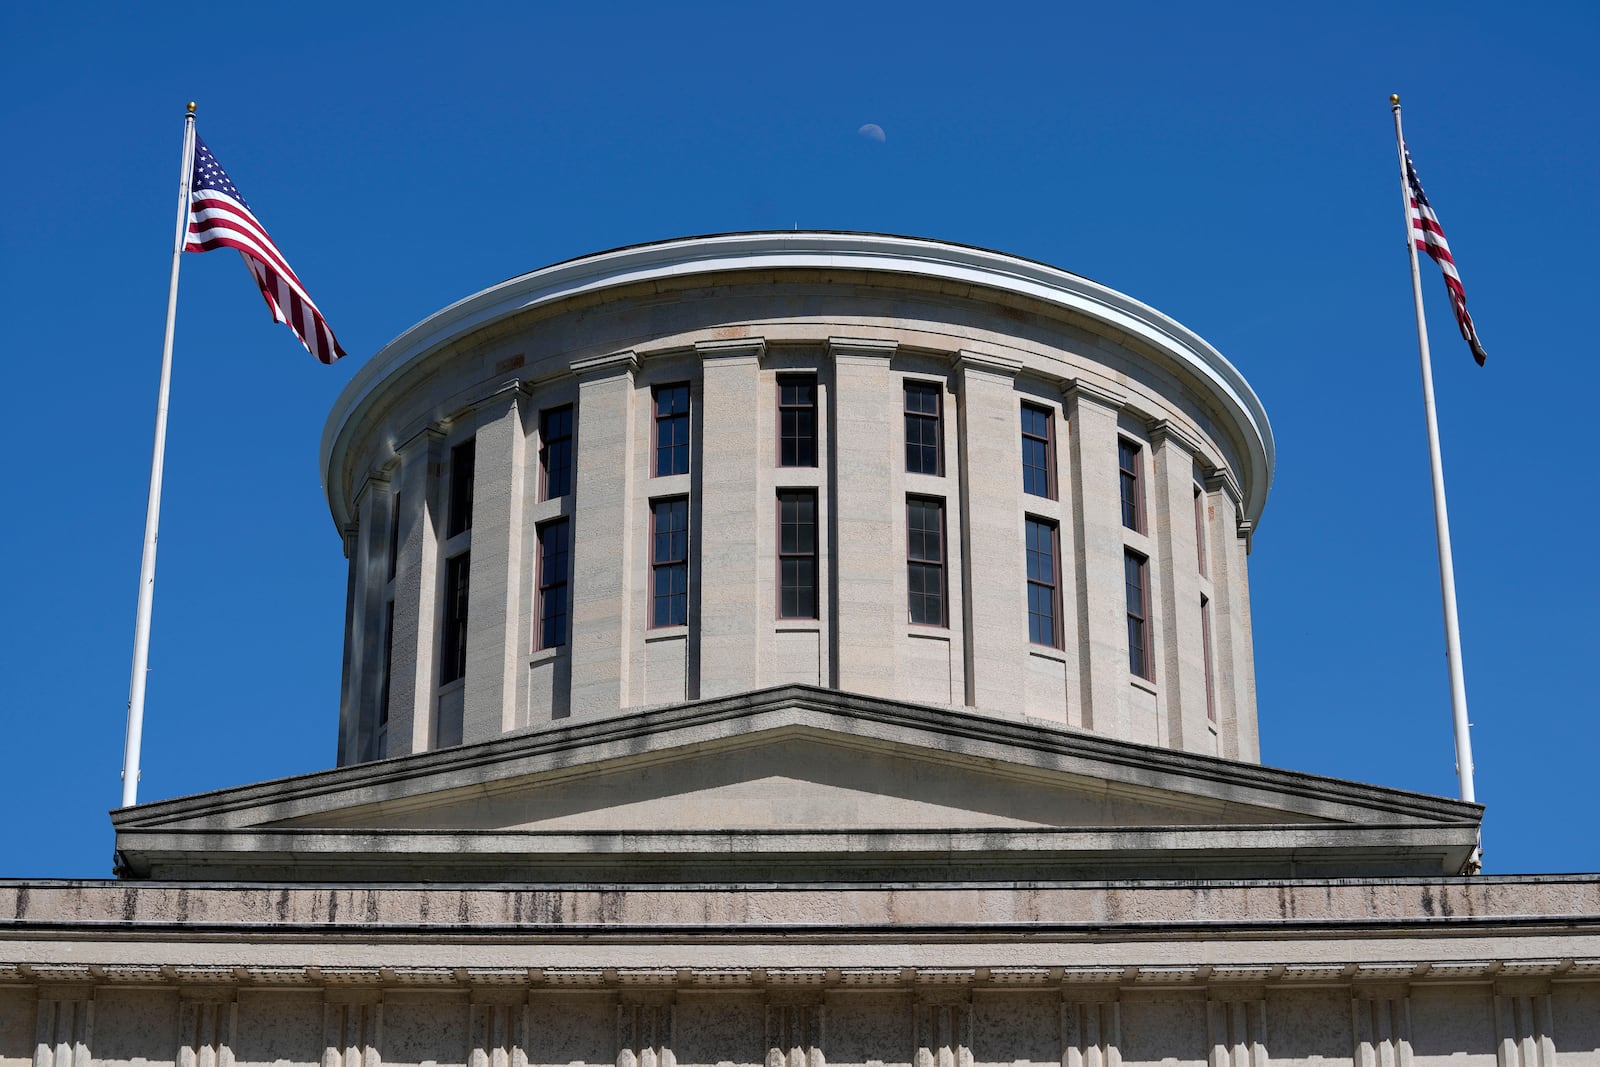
x=1233 y=165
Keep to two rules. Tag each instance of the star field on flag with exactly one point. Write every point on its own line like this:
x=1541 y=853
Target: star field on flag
x=220 y=218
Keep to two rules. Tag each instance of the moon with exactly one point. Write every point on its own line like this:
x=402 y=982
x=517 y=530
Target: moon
x=872 y=132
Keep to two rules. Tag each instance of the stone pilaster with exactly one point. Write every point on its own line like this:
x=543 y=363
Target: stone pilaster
x=1091 y=1029
x=495 y=643
x=415 y=589
x=1179 y=641
x=796 y=1030
x=64 y=1026
x=369 y=579
x=1523 y=1023
x=990 y=513
x=352 y=1027
x=1380 y=1026
x=732 y=507
x=941 y=1027
x=861 y=475
x=1236 y=1026
x=1230 y=621
x=603 y=564
x=498 y=1028
x=207 y=1021
x=1097 y=520
x=645 y=1027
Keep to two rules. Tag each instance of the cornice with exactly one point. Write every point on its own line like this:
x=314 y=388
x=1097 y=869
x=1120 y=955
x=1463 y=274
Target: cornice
x=732 y=348
x=1080 y=389
x=861 y=348
x=606 y=366
x=1000 y=366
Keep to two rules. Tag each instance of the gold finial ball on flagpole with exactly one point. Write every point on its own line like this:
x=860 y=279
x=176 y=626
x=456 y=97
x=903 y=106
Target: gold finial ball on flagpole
x=1394 y=98
x=191 y=106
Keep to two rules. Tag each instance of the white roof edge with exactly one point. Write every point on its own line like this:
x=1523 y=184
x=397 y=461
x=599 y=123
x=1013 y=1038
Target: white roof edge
x=798 y=250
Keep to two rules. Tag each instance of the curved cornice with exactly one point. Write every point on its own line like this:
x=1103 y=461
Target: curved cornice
x=810 y=250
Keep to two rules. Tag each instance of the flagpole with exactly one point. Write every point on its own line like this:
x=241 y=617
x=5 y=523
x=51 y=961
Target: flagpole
x=152 y=515
x=1441 y=514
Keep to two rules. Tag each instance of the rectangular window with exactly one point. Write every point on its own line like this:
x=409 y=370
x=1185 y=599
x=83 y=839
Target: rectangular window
x=669 y=562
x=1128 y=466
x=554 y=552
x=925 y=560
x=1044 y=591
x=797 y=420
x=1200 y=529
x=463 y=458
x=1205 y=645
x=923 y=407
x=555 y=452
x=797 y=554
x=394 y=537
x=1135 y=570
x=1038 y=452
x=672 y=429
x=453 y=645
x=383 y=689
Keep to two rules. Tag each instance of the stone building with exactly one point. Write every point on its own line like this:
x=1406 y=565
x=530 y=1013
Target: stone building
x=793 y=649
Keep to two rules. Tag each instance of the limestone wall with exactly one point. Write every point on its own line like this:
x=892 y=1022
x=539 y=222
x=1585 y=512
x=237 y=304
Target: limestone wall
x=796 y=1019
x=861 y=337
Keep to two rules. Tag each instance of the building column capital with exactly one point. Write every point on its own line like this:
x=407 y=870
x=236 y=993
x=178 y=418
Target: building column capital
x=610 y=365
x=1080 y=390
x=861 y=349
x=731 y=350
x=1163 y=431
x=969 y=362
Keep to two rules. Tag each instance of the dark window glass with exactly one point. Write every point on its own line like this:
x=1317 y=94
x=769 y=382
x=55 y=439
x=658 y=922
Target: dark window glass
x=669 y=562
x=1132 y=491
x=463 y=458
x=1135 y=578
x=394 y=537
x=554 y=551
x=1200 y=529
x=1042 y=583
x=922 y=428
x=797 y=420
x=388 y=656
x=555 y=451
x=797 y=554
x=672 y=429
x=925 y=560
x=453 y=650
x=1038 y=455
x=1205 y=644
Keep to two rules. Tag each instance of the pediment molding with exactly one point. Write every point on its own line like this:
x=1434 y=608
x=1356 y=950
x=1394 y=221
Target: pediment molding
x=1028 y=799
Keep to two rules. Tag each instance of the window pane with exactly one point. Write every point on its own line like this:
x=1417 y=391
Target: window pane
x=672 y=429
x=669 y=571
x=1128 y=468
x=463 y=458
x=553 y=557
x=555 y=451
x=922 y=427
x=453 y=639
x=924 y=561
x=797 y=552
x=1135 y=581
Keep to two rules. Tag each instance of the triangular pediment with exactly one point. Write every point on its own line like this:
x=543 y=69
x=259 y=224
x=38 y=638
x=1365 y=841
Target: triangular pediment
x=768 y=782
x=796 y=778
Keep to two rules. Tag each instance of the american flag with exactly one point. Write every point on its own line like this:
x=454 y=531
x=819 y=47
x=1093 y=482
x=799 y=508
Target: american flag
x=1429 y=236
x=219 y=218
